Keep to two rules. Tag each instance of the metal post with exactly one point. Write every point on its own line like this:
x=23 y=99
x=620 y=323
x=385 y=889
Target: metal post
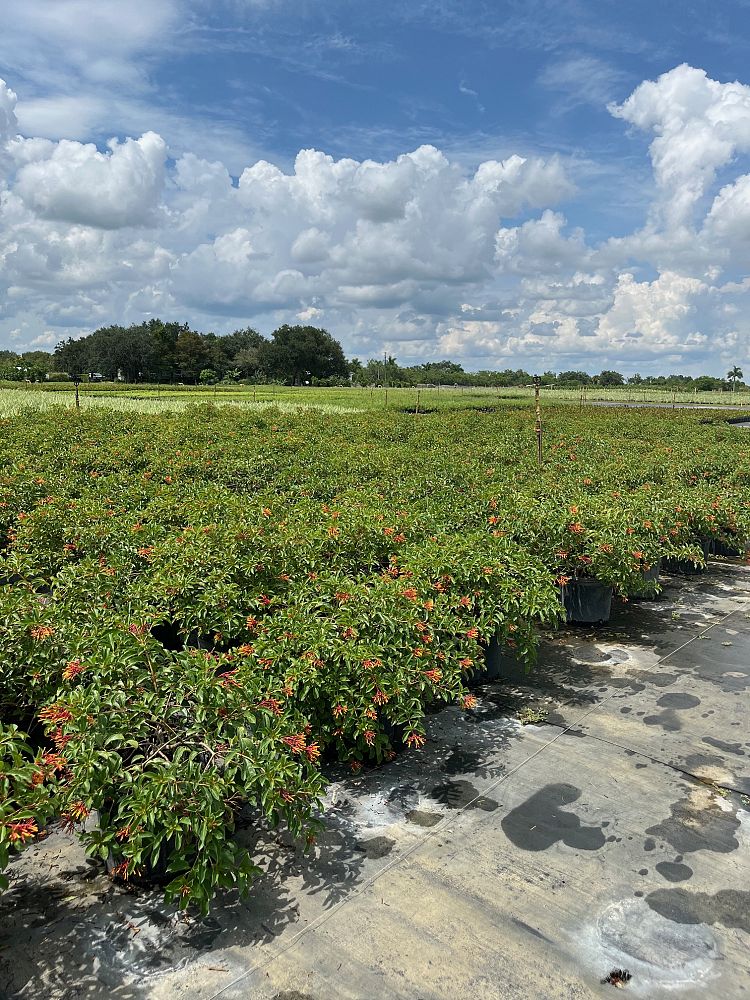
x=78 y=400
x=537 y=403
x=418 y=396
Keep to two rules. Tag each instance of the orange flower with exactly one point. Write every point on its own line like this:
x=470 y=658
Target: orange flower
x=333 y=531
x=271 y=704
x=576 y=528
x=55 y=715
x=23 y=830
x=469 y=701
x=40 y=633
x=465 y=602
x=313 y=752
x=342 y=596
x=466 y=662
x=356 y=766
x=380 y=697
x=295 y=743
x=410 y=594
x=228 y=679
x=123 y=871
x=372 y=663
x=389 y=531
x=79 y=811
x=369 y=737
x=472 y=633
x=72 y=670
x=54 y=761
x=250 y=622
x=434 y=675
x=245 y=649
x=562 y=580
x=415 y=740
x=339 y=710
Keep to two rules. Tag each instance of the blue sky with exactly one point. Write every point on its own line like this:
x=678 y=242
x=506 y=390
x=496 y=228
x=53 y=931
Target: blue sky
x=545 y=227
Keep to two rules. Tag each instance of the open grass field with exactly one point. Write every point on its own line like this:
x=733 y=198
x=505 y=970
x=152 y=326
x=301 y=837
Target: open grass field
x=158 y=398
x=202 y=608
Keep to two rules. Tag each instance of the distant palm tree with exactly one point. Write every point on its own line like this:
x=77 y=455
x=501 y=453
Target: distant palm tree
x=734 y=375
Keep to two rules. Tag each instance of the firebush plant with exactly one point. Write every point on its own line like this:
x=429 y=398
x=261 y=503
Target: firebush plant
x=198 y=611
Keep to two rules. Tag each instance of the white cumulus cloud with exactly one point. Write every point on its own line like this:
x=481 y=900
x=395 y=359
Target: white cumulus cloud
x=77 y=183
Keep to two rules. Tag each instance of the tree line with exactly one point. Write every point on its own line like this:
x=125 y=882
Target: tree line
x=160 y=352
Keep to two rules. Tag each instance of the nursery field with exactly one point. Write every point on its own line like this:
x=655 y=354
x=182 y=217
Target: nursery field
x=153 y=398
x=201 y=609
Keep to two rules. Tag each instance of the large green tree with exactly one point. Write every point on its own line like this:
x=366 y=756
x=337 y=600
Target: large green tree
x=298 y=353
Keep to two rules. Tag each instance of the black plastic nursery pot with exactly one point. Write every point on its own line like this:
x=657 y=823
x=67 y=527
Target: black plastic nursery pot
x=500 y=662
x=586 y=601
x=686 y=567
x=650 y=575
x=716 y=547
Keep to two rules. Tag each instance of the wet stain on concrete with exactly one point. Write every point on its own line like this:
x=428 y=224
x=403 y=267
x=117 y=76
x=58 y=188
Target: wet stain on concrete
x=728 y=907
x=589 y=653
x=668 y=720
x=376 y=847
x=735 y=748
x=703 y=760
x=540 y=822
x=649 y=844
x=643 y=871
x=698 y=823
x=674 y=872
x=530 y=930
x=671 y=704
x=292 y=995
x=460 y=795
x=678 y=699
x=424 y=818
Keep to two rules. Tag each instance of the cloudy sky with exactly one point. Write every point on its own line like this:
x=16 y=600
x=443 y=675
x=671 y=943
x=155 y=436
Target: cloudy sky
x=536 y=183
